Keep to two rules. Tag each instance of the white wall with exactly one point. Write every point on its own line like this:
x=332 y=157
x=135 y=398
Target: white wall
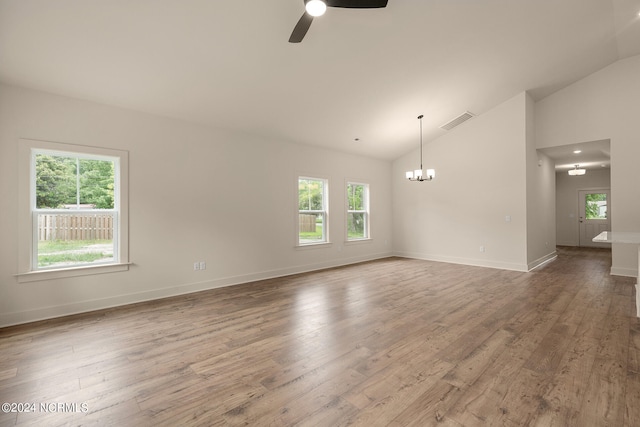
x=196 y=194
x=567 y=205
x=481 y=178
x=541 y=206
x=604 y=105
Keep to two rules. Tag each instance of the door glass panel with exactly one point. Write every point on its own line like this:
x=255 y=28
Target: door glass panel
x=596 y=206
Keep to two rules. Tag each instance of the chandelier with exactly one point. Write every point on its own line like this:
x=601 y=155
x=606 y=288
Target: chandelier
x=417 y=175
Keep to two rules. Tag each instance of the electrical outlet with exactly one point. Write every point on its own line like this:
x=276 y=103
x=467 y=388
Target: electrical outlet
x=482 y=249
x=203 y=265
x=196 y=266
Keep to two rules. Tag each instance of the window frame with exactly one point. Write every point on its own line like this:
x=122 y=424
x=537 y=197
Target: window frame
x=366 y=211
x=28 y=269
x=324 y=211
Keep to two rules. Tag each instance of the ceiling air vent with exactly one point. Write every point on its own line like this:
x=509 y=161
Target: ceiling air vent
x=457 y=121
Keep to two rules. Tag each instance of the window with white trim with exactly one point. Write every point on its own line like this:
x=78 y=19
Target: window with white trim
x=312 y=211
x=357 y=211
x=78 y=210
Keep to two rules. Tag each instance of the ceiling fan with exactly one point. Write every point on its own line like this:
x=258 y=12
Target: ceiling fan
x=315 y=8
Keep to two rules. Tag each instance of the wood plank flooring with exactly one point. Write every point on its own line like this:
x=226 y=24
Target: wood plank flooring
x=395 y=342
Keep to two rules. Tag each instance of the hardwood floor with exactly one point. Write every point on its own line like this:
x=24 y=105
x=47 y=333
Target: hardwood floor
x=395 y=342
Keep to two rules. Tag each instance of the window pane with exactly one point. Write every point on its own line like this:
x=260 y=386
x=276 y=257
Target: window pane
x=97 y=183
x=356 y=225
x=596 y=206
x=310 y=194
x=55 y=181
x=67 y=240
x=355 y=194
x=312 y=211
x=357 y=211
x=311 y=228
x=72 y=182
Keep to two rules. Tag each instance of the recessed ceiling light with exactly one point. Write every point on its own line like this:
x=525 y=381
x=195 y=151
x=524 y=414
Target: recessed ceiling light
x=577 y=151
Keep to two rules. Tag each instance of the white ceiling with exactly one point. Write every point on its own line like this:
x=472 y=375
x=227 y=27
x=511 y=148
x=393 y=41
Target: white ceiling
x=587 y=155
x=363 y=74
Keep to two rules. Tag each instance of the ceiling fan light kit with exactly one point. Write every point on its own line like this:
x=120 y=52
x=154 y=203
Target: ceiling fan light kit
x=318 y=7
x=315 y=7
x=418 y=175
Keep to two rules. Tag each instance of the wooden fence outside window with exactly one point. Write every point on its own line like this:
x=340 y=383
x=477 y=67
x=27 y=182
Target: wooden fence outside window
x=307 y=223
x=90 y=226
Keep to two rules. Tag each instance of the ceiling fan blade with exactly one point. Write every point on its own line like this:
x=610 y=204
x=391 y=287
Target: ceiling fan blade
x=357 y=4
x=301 y=28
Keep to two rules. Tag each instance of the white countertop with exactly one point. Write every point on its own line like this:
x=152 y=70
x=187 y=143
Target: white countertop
x=632 y=237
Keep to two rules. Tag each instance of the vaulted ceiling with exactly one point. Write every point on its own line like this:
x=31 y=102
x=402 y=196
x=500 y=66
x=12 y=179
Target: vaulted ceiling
x=358 y=74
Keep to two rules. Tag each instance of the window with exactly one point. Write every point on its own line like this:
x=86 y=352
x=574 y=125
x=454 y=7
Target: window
x=77 y=208
x=357 y=211
x=312 y=211
x=596 y=206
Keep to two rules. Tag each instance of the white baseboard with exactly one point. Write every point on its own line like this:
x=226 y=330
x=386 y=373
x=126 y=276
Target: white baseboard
x=466 y=261
x=542 y=260
x=626 y=272
x=44 y=313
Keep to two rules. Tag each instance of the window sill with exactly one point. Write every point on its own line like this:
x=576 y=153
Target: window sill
x=86 y=270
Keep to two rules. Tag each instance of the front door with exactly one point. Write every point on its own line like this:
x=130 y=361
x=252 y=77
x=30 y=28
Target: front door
x=594 y=215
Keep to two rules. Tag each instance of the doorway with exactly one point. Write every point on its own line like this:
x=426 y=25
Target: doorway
x=595 y=158
x=594 y=214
